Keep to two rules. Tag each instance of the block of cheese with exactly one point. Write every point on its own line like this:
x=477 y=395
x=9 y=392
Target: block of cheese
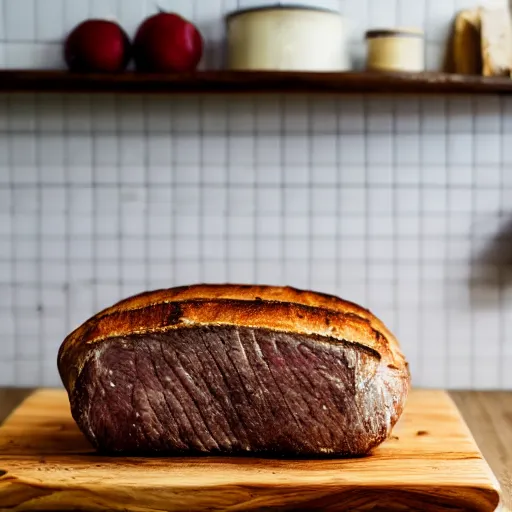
x=496 y=28
x=482 y=41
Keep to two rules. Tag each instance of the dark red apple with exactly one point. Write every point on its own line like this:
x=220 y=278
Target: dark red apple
x=165 y=43
x=97 y=46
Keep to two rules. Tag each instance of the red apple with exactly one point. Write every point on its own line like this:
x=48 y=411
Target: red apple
x=166 y=42
x=97 y=46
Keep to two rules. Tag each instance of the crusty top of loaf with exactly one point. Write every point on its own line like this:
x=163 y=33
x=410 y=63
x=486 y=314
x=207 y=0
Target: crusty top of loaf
x=271 y=307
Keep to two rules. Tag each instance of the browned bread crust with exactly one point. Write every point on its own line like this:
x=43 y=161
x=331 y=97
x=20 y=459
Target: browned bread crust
x=277 y=308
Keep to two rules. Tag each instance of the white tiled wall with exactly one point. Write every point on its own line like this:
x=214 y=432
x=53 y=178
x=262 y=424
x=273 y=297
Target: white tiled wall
x=401 y=204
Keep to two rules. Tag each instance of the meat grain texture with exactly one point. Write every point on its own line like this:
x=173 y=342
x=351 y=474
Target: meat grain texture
x=231 y=369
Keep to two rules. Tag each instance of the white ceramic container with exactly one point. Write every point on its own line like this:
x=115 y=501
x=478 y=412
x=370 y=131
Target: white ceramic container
x=287 y=38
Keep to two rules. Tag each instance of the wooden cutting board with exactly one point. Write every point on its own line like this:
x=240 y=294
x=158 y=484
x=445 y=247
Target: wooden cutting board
x=431 y=463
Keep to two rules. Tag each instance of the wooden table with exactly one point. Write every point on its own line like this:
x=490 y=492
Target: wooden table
x=488 y=415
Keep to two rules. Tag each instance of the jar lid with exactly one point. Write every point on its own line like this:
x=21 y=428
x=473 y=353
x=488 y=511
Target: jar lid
x=394 y=32
x=289 y=7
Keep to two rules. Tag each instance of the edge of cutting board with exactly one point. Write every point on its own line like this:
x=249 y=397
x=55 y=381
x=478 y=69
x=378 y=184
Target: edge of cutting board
x=48 y=465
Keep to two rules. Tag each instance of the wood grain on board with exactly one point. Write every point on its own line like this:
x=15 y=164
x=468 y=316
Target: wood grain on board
x=222 y=81
x=488 y=414
x=10 y=399
x=431 y=461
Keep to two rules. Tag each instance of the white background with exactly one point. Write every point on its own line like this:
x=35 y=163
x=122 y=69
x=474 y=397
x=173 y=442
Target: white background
x=401 y=204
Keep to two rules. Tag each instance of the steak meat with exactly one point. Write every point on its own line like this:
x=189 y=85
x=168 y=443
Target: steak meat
x=175 y=376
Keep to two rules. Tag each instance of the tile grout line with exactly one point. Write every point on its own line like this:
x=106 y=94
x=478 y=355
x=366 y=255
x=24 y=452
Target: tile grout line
x=13 y=216
x=39 y=238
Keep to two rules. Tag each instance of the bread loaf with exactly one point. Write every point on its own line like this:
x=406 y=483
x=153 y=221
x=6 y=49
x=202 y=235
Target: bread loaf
x=225 y=369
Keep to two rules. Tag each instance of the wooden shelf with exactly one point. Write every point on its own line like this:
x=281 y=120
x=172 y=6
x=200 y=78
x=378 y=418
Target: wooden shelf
x=252 y=82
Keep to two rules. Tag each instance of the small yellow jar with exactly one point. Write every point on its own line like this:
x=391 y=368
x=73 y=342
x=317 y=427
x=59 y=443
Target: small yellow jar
x=395 y=50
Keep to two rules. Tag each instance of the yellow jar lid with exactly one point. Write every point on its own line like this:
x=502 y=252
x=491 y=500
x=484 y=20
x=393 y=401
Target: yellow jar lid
x=394 y=32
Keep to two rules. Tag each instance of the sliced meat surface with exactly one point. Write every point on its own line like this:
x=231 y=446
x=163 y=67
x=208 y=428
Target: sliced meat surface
x=234 y=389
